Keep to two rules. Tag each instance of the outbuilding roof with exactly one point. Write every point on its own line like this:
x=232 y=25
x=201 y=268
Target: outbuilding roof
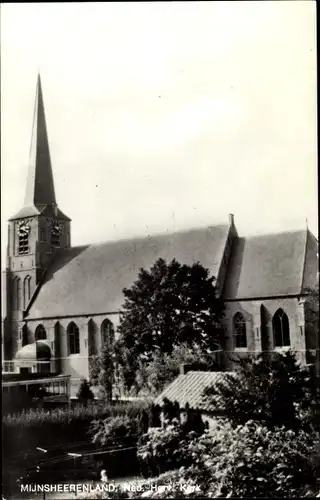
x=189 y=388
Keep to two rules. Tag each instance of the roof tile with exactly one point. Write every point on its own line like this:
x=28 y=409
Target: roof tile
x=267 y=266
x=90 y=279
x=189 y=389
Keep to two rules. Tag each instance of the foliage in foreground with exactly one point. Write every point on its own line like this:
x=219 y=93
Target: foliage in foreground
x=254 y=461
x=247 y=461
x=273 y=390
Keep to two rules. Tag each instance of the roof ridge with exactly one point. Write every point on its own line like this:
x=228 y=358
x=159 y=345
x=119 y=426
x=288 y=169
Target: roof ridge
x=156 y=235
x=262 y=235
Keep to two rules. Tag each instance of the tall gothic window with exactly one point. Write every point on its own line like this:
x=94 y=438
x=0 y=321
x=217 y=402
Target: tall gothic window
x=239 y=331
x=107 y=332
x=26 y=291
x=73 y=339
x=40 y=333
x=25 y=335
x=92 y=335
x=281 y=330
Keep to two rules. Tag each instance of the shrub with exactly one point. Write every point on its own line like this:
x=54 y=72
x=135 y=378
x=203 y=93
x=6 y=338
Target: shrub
x=271 y=390
x=254 y=461
x=249 y=460
x=166 y=448
x=114 y=430
x=84 y=392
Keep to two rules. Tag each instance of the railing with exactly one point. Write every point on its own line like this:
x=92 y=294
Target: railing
x=32 y=366
x=9 y=367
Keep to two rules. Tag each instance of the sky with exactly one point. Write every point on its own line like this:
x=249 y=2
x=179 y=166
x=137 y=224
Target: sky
x=164 y=115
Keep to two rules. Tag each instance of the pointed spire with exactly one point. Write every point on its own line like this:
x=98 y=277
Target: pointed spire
x=40 y=186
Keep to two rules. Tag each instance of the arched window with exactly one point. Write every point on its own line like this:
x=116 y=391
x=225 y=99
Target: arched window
x=92 y=335
x=40 y=333
x=26 y=291
x=16 y=296
x=281 y=330
x=107 y=332
x=239 y=330
x=25 y=339
x=73 y=339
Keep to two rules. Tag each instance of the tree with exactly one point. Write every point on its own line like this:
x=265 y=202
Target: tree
x=84 y=392
x=273 y=390
x=102 y=371
x=161 y=369
x=170 y=305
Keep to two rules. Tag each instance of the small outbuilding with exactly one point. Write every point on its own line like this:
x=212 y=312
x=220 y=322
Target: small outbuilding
x=187 y=390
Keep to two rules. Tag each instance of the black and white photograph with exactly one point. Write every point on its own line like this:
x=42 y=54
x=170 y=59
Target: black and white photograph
x=159 y=250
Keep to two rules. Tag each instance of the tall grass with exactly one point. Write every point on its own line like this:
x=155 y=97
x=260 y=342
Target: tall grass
x=36 y=417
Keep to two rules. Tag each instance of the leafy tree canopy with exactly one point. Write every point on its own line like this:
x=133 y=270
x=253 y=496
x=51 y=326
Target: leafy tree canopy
x=102 y=370
x=169 y=305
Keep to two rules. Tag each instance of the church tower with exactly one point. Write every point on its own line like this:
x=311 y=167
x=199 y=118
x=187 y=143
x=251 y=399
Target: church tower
x=35 y=234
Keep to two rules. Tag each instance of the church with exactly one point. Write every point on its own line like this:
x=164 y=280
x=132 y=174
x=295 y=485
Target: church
x=61 y=303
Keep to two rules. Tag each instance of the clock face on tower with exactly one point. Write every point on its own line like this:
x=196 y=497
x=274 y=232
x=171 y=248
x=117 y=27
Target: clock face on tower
x=56 y=228
x=23 y=228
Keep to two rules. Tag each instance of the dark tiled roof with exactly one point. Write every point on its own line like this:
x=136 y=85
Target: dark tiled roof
x=45 y=210
x=90 y=279
x=271 y=265
x=189 y=389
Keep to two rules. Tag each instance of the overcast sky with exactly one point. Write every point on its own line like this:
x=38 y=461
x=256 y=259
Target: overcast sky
x=165 y=115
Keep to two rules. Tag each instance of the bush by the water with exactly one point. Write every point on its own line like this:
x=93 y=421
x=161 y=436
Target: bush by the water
x=115 y=430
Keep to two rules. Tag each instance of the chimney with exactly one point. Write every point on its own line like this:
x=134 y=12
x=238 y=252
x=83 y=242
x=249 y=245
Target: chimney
x=196 y=367
x=231 y=219
x=182 y=369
